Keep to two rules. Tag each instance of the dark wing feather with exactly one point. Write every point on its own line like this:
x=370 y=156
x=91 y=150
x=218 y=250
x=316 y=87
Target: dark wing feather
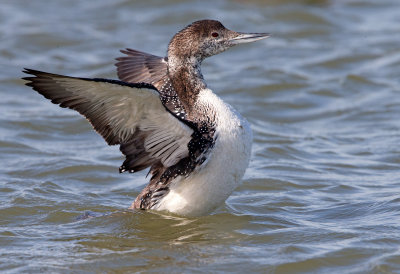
x=131 y=115
x=139 y=67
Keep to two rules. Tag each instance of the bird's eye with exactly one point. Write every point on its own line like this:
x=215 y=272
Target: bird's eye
x=214 y=34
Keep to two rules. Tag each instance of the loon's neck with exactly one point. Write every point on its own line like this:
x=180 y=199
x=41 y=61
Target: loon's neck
x=187 y=79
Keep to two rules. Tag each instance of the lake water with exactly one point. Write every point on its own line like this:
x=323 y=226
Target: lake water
x=321 y=194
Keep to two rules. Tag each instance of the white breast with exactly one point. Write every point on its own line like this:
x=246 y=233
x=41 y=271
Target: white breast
x=213 y=183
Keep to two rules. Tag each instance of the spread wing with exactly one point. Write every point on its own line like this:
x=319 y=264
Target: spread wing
x=141 y=67
x=138 y=67
x=130 y=115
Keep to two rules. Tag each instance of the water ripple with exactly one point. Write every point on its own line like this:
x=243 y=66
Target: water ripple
x=320 y=194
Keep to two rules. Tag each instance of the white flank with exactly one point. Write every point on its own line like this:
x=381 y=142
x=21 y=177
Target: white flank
x=207 y=188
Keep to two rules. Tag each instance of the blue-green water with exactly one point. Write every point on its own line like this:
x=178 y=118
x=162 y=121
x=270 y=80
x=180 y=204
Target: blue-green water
x=322 y=192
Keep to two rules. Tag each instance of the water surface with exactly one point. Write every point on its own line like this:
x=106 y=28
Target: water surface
x=322 y=94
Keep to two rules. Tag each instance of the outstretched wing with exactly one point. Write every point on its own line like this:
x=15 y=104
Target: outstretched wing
x=139 y=67
x=131 y=115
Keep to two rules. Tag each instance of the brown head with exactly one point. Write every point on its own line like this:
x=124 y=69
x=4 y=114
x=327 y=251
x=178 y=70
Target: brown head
x=205 y=38
x=190 y=46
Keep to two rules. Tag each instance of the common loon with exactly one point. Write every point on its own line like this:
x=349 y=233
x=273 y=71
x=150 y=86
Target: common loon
x=164 y=117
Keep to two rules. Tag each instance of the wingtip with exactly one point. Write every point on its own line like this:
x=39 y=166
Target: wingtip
x=125 y=50
x=121 y=58
x=33 y=71
x=130 y=52
x=29 y=79
x=27 y=70
x=34 y=76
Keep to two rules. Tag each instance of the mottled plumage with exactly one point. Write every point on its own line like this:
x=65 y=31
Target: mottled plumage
x=164 y=117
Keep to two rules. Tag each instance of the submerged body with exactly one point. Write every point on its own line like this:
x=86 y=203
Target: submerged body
x=164 y=117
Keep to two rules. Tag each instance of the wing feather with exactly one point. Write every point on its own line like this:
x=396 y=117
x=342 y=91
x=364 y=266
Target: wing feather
x=139 y=67
x=130 y=115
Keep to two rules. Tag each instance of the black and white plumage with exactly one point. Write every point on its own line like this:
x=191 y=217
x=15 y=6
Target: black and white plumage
x=164 y=117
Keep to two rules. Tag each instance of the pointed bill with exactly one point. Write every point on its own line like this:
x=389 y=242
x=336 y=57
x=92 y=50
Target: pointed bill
x=242 y=38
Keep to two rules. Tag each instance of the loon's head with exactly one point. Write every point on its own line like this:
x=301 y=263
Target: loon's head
x=205 y=38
